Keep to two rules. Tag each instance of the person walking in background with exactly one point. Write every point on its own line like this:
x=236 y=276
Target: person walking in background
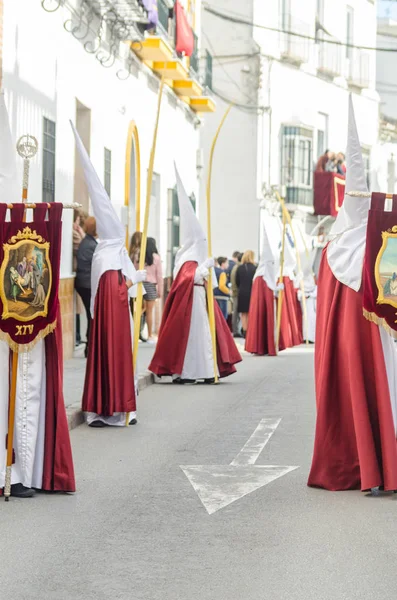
x=234 y=293
x=78 y=236
x=244 y=277
x=135 y=248
x=222 y=292
x=154 y=284
x=84 y=257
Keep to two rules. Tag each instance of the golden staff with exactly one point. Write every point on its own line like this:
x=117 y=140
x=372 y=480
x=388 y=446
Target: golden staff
x=281 y=292
x=27 y=147
x=210 y=290
x=298 y=261
x=139 y=298
x=133 y=139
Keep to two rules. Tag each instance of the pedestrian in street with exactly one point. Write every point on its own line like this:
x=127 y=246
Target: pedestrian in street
x=41 y=451
x=244 y=278
x=260 y=338
x=78 y=236
x=154 y=284
x=135 y=248
x=184 y=348
x=222 y=291
x=85 y=254
x=355 y=360
x=109 y=397
x=236 y=326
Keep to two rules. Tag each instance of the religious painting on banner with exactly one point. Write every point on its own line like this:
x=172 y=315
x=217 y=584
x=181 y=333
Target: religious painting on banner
x=380 y=264
x=29 y=274
x=329 y=193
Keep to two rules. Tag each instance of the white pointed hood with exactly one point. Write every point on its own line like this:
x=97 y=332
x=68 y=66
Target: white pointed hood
x=194 y=246
x=267 y=264
x=354 y=211
x=110 y=253
x=9 y=189
x=346 y=252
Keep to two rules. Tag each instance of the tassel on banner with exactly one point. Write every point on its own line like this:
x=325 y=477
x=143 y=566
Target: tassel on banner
x=370 y=316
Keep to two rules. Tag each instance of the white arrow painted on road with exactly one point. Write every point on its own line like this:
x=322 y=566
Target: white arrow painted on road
x=218 y=486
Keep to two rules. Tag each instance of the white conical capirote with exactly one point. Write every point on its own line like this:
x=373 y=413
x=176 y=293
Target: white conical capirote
x=194 y=245
x=110 y=253
x=107 y=222
x=267 y=265
x=9 y=189
x=354 y=211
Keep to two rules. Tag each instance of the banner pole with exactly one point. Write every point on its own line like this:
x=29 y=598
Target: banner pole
x=139 y=298
x=281 y=292
x=210 y=289
x=27 y=147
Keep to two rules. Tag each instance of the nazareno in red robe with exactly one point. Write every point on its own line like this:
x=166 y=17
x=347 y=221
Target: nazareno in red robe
x=260 y=337
x=355 y=443
x=175 y=326
x=109 y=380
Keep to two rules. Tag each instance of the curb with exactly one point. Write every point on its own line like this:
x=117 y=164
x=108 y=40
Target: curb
x=75 y=415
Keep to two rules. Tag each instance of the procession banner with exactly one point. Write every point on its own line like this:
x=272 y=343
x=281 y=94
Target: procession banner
x=380 y=265
x=329 y=193
x=29 y=274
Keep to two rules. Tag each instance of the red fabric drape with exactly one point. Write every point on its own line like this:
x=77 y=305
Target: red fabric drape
x=184 y=33
x=379 y=224
x=58 y=472
x=261 y=320
x=109 y=382
x=291 y=317
x=175 y=326
x=355 y=444
x=329 y=192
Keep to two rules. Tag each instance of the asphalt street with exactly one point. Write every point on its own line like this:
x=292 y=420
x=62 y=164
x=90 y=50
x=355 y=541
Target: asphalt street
x=138 y=530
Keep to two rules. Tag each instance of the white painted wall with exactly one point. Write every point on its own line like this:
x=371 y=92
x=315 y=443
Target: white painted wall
x=248 y=153
x=46 y=69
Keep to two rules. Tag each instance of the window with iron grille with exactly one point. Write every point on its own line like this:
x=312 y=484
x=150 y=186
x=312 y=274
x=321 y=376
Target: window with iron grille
x=296 y=164
x=49 y=133
x=108 y=171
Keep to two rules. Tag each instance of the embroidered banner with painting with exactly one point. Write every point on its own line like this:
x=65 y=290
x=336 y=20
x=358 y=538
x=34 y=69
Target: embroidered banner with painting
x=380 y=264
x=29 y=274
x=329 y=193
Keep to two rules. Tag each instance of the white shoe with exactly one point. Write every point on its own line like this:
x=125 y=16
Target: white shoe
x=151 y=341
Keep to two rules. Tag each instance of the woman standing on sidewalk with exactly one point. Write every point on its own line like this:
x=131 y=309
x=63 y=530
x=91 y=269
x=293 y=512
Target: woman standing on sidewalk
x=244 y=277
x=154 y=284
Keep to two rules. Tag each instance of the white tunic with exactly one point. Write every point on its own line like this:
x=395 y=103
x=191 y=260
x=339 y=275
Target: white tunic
x=311 y=310
x=199 y=363
x=30 y=408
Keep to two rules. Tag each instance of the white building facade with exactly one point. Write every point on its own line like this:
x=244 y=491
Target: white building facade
x=72 y=60
x=291 y=90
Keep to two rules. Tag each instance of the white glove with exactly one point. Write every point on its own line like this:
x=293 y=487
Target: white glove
x=300 y=295
x=209 y=263
x=279 y=286
x=140 y=276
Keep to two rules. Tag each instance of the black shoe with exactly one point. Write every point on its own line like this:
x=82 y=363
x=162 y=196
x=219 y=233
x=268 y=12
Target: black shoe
x=237 y=335
x=183 y=381
x=20 y=491
x=97 y=424
x=133 y=422
x=86 y=351
x=209 y=381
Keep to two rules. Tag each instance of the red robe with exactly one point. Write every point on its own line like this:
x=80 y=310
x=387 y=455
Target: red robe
x=260 y=337
x=355 y=443
x=175 y=326
x=109 y=381
x=291 y=317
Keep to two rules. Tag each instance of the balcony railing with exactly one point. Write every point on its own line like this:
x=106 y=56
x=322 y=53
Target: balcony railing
x=293 y=48
x=359 y=68
x=329 y=59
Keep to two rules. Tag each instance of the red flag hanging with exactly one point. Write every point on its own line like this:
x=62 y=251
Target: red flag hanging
x=29 y=274
x=184 y=33
x=329 y=192
x=380 y=264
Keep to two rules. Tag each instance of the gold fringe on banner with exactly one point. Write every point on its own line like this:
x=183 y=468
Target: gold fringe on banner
x=21 y=348
x=380 y=321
